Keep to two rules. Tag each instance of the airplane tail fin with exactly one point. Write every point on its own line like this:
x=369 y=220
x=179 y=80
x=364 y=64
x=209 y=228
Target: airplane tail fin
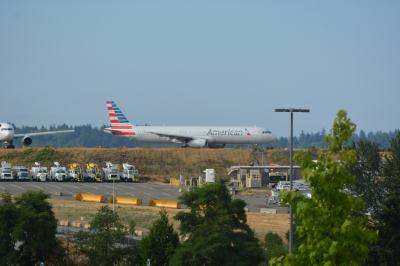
x=119 y=123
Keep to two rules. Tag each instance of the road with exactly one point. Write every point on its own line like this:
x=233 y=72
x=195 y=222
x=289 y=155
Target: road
x=145 y=191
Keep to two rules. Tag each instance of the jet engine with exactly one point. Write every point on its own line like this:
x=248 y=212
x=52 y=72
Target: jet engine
x=197 y=143
x=27 y=141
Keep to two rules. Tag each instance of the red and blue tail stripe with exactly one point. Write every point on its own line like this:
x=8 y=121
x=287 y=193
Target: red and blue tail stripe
x=119 y=123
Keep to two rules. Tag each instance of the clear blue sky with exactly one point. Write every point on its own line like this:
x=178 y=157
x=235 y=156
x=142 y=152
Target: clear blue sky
x=201 y=62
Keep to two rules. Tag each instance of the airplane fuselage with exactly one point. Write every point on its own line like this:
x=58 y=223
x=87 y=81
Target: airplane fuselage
x=188 y=136
x=213 y=135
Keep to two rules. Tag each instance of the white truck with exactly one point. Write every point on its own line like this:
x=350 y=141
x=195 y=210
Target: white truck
x=210 y=175
x=111 y=172
x=58 y=173
x=39 y=173
x=129 y=173
x=5 y=172
x=21 y=173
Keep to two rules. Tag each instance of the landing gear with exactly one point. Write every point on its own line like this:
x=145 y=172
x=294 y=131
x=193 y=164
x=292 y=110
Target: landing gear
x=8 y=145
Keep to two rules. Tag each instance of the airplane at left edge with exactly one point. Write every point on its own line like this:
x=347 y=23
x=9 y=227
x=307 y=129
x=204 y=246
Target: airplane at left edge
x=7 y=135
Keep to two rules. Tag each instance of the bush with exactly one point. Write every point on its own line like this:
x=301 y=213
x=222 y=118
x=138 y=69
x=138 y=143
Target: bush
x=47 y=154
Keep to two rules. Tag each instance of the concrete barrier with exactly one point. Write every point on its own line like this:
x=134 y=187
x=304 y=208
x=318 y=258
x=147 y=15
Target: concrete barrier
x=76 y=224
x=268 y=210
x=64 y=223
x=128 y=200
x=165 y=203
x=89 y=197
x=174 y=182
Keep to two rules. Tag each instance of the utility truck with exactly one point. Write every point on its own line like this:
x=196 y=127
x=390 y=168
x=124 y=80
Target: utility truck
x=129 y=173
x=111 y=172
x=21 y=173
x=93 y=172
x=39 y=173
x=58 y=173
x=5 y=172
x=76 y=173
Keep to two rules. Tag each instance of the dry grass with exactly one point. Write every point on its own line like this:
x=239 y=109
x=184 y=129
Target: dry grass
x=144 y=216
x=155 y=163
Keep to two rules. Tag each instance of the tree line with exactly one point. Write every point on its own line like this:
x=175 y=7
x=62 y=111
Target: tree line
x=90 y=136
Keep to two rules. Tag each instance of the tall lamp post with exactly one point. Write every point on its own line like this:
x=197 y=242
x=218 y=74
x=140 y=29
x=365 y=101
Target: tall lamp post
x=291 y=111
x=113 y=203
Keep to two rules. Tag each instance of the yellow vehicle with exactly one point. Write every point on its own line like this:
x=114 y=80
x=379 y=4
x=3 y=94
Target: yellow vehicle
x=75 y=172
x=93 y=172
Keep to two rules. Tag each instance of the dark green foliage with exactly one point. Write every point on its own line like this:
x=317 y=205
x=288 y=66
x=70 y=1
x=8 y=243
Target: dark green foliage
x=392 y=164
x=368 y=172
x=35 y=230
x=216 y=230
x=28 y=231
x=378 y=182
x=306 y=140
x=331 y=233
x=297 y=240
x=387 y=250
x=274 y=246
x=159 y=245
x=103 y=244
x=8 y=217
x=132 y=227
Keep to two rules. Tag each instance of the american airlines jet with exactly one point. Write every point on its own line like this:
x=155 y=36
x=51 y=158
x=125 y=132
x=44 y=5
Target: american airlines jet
x=188 y=136
x=7 y=135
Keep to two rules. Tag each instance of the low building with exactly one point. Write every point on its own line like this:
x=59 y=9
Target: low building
x=247 y=176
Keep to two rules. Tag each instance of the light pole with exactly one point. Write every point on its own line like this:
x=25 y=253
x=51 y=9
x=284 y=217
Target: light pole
x=113 y=196
x=291 y=111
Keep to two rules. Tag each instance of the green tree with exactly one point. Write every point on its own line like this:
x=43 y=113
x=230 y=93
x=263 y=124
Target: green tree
x=159 y=245
x=387 y=250
x=216 y=230
x=35 y=230
x=274 y=246
x=8 y=218
x=332 y=234
x=102 y=245
x=367 y=169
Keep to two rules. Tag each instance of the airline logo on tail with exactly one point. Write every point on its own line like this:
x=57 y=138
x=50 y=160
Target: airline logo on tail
x=119 y=124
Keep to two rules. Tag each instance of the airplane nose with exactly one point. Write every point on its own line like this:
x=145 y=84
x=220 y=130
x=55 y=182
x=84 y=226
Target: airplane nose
x=9 y=135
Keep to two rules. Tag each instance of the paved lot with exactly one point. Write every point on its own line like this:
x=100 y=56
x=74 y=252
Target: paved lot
x=145 y=191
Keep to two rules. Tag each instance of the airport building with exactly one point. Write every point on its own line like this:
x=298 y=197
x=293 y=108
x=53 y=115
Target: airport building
x=247 y=176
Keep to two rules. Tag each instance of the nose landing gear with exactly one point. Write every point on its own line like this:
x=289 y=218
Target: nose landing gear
x=8 y=145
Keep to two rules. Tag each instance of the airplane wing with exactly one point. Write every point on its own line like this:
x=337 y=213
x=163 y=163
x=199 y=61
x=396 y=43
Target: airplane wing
x=173 y=137
x=43 y=133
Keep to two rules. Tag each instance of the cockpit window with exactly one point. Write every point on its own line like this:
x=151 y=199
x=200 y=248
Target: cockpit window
x=6 y=129
x=266 y=132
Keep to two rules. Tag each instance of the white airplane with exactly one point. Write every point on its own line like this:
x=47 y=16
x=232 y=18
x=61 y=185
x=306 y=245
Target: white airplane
x=7 y=135
x=188 y=136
